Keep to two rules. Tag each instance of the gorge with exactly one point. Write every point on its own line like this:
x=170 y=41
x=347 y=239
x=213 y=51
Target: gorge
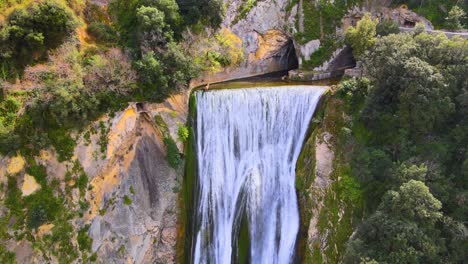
x=233 y=131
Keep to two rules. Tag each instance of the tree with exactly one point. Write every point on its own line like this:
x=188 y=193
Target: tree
x=362 y=37
x=406 y=172
x=401 y=230
x=111 y=72
x=31 y=31
x=171 y=11
x=208 y=12
x=153 y=28
x=455 y=17
x=423 y=105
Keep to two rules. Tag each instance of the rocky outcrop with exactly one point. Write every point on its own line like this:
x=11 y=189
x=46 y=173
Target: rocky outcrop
x=324 y=156
x=401 y=15
x=324 y=186
x=134 y=193
x=265 y=32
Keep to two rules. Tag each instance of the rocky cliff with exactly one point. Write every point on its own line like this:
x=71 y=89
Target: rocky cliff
x=266 y=28
x=130 y=199
x=134 y=209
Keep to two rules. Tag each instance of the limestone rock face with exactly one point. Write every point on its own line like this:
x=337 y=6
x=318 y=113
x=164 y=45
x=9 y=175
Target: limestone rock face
x=264 y=16
x=265 y=32
x=324 y=156
x=137 y=230
x=134 y=210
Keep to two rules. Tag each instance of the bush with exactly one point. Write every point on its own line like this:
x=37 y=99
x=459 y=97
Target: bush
x=455 y=18
x=13 y=200
x=84 y=241
x=41 y=207
x=7 y=257
x=172 y=153
x=362 y=37
x=110 y=72
x=161 y=75
x=387 y=27
x=9 y=108
x=207 y=12
x=103 y=33
x=183 y=133
x=31 y=31
x=39 y=173
x=127 y=200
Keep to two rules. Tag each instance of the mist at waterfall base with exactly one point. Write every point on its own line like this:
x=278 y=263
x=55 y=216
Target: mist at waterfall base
x=247 y=143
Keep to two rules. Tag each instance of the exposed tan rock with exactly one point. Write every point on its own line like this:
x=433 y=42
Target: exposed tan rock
x=270 y=44
x=15 y=165
x=29 y=185
x=45 y=230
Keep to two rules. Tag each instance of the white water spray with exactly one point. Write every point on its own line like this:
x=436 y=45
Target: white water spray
x=248 y=142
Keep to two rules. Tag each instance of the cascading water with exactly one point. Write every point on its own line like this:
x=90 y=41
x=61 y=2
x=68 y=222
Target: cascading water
x=248 y=142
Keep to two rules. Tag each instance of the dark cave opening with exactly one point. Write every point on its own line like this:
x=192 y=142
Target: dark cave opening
x=290 y=55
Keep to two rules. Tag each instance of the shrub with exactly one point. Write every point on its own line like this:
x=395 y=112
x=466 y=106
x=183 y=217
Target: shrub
x=172 y=153
x=84 y=241
x=103 y=33
x=183 y=133
x=110 y=72
x=387 y=27
x=13 y=200
x=7 y=257
x=207 y=12
x=362 y=37
x=39 y=173
x=9 y=108
x=127 y=200
x=455 y=18
x=31 y=31
x=42 y=206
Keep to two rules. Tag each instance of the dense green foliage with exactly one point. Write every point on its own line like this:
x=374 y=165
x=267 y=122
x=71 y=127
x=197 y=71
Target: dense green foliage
x=28 y=33
x=386 y=27
x=362 y=37
x=75 y=85
x=172 y=153
x=151 y=30
x=411 y=155
x=183 y=133
x=206 y=12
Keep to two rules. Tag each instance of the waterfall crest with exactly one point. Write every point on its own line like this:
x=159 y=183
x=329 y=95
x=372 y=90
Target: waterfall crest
x=248 y=142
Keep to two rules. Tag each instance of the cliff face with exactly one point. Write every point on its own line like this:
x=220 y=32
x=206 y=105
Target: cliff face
x=128 y=205
x=134 y=211
x=265 y=28
x=330 y=197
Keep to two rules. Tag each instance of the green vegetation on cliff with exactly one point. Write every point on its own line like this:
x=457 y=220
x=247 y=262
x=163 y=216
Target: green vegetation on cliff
x=55 y=78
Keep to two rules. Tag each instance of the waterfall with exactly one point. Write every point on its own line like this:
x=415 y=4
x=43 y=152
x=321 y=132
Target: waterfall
x=247 y=143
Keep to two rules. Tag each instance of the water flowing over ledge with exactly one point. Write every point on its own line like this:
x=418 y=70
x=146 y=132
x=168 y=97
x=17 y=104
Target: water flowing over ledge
x=247 y=144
